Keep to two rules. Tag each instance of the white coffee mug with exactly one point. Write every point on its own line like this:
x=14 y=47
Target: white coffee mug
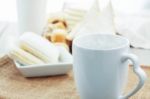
x=31 y=15
x=101 y=66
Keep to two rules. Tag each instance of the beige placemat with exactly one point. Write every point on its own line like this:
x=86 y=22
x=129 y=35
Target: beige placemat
x=14 y=86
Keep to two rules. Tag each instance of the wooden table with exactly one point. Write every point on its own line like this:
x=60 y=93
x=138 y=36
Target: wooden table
x=14 y=86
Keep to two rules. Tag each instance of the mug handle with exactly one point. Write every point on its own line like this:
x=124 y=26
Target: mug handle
x=138 y=71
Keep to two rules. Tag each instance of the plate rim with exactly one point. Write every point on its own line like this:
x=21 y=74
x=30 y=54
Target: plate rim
x=42 y=65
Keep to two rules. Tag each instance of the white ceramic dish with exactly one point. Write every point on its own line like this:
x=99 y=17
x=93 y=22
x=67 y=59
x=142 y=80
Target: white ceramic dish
x=44 y=70
x=48 y=69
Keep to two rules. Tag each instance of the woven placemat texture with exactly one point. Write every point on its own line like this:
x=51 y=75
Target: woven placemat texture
x=14 y=86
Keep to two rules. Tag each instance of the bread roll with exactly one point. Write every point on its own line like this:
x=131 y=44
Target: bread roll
x=24 y=57
x=39 y=47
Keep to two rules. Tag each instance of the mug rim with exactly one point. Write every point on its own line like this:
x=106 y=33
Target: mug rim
x=77 y=43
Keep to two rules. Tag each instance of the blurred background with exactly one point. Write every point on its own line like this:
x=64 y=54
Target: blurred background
x=135 y=7
x=131 y=17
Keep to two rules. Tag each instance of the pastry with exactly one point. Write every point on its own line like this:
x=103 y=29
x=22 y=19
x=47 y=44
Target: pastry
x=58 y=35
x=58 y=24
x=47 y=36
x=39 y=47
x=24 y=57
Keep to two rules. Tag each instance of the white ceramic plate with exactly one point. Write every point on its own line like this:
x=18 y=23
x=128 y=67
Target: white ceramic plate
x=63 y=67
x=44 y=70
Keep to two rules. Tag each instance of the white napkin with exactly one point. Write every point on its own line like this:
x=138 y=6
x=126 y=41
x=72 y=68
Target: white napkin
x=97 y=20
x=136 y=29
x=133 y=21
